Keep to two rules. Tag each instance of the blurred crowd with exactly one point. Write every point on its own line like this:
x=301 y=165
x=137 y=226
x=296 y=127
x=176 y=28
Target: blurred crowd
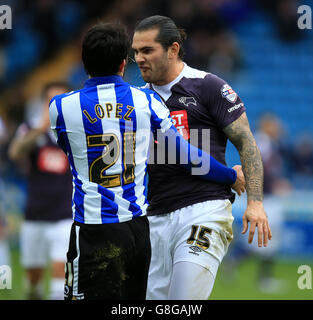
x=41 y=27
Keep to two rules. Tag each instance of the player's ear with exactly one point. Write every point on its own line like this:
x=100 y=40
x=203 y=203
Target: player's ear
x=122 y=67
x=173 y=50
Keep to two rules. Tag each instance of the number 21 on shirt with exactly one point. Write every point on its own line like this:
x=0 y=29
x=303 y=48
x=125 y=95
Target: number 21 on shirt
x=109 y=157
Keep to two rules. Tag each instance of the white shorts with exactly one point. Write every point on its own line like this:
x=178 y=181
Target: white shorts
x=43 y=241
x=200 y=234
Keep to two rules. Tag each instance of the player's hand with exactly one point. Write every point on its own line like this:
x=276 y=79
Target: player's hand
x=256 y=216
x=240 y=184
x=45 y=120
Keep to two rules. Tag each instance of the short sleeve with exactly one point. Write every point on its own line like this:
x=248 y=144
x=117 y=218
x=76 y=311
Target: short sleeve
x=53 y=113
x=57 y=122
x=223 y=102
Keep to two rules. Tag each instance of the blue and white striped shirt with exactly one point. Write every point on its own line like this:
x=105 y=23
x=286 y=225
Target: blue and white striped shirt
x=104 y=129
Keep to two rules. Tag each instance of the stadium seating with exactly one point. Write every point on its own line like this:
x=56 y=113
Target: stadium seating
x=26 y=46
x=276 y=76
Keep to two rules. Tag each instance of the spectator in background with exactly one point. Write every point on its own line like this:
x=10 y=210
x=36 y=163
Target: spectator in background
x=4 y=246
x=269 y=138
x=301 y=162
x=46 y=228
x=303 y=155
x=3 y=140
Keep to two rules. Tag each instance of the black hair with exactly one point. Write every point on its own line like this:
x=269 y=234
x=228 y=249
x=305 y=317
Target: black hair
x=104 y=48
x=168 y=31
x=55 y=84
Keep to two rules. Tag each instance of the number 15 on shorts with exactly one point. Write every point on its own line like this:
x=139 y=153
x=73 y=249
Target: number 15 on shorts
x=198 y=237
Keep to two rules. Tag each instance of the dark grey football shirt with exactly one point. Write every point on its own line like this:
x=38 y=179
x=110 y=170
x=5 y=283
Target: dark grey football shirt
x=196 y=100
x=49 y=192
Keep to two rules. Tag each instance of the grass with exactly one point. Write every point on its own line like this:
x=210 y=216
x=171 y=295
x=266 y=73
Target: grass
x=241 y=284
x=18 y=280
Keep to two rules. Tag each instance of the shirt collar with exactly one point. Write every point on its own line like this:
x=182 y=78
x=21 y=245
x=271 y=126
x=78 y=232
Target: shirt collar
x=165 y=90
x=95 y=81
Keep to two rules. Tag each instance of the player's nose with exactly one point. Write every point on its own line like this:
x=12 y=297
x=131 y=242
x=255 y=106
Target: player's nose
x=139 y=58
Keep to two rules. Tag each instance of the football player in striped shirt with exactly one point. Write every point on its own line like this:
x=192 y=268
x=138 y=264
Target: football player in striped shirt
x=104 y=128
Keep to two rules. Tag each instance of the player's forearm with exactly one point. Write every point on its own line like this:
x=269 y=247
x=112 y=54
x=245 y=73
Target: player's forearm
x=241 y=136
x=23 y=145
x=253 y=171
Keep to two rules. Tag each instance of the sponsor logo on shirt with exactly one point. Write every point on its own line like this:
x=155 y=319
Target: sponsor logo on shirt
x=188 y=100
x=180 y=121
x=228 y=93
x=195 y=250
x=235 y=107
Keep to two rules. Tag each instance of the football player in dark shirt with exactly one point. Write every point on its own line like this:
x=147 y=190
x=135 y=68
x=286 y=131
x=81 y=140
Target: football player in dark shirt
x=191 y=219
x=48 y=213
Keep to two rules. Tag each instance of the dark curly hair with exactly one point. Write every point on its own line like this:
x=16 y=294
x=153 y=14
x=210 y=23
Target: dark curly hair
x=104 y=48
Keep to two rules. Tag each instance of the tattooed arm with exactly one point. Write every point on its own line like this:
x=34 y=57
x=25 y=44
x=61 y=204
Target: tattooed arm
x=239 y=133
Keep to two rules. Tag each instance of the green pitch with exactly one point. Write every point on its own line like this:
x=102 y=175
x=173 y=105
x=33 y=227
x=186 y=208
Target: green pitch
x=242 y=284
x=238 y=285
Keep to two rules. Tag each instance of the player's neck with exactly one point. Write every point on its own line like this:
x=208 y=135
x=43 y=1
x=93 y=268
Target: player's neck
x=174 y=71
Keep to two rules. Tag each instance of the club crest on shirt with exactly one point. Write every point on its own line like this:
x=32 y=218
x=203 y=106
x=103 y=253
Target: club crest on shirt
x=228 y=93
x=188 y=100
